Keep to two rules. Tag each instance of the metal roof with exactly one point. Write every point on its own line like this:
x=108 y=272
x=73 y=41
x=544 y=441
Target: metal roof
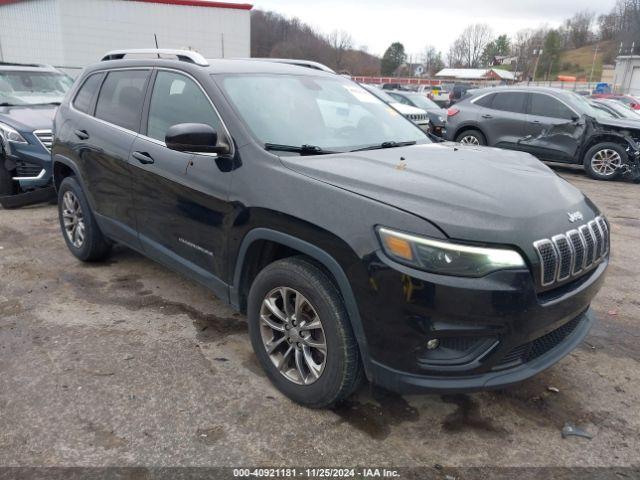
x=474 y=73
x=186 y=3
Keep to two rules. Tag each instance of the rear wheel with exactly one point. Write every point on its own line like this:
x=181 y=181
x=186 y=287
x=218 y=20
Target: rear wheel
x=79 y=228
x=603 y=161
x=301 y=333
x=471 y=137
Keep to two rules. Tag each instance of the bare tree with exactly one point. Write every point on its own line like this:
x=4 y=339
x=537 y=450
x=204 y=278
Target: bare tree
x=468 y=48
x=341 y=42
x=432 y=60
x=578 y=29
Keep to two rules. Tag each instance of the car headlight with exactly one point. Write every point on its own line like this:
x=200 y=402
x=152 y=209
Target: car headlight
x=10 y=134
x=447 y=258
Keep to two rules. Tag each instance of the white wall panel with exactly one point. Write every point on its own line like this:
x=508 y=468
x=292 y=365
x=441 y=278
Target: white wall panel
x=77 y=32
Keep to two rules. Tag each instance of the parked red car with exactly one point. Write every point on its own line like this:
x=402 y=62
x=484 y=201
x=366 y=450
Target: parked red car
x=628 y=100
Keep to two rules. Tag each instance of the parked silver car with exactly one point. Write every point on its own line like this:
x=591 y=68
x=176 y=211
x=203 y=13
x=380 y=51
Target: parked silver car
x=552 y=124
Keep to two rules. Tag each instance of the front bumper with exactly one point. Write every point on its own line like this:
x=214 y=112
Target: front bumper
x=30 y=163
x=491 y=331
x=407 y=383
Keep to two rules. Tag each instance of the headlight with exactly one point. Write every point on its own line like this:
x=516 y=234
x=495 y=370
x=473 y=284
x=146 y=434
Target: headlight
x=447 y=258
x=10 y=134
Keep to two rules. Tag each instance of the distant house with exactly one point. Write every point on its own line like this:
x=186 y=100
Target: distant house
x=504 y=60
x=476 y=74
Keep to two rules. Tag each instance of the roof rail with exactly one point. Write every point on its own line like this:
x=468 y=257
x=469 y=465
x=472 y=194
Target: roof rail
x=16 y=64
x=182 y=55
x=296 y=62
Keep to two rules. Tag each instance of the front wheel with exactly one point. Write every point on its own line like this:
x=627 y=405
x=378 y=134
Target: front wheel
x=301 y=333
x=603 y=161
x=471 y=137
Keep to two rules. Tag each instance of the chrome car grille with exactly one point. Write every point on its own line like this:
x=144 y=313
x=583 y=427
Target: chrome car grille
x=45 y=137
x=568 y=254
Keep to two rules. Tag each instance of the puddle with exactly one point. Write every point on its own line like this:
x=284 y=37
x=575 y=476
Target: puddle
x=467 y=416
x=377 y=419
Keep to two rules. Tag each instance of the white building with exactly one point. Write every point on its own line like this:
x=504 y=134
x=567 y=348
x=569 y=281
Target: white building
x=74 y=33
x=626 y=77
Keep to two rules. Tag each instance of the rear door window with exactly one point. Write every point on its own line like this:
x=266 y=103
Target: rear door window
x=547 y=106
x=509 y=102
x=87 y=93
x=121 y=98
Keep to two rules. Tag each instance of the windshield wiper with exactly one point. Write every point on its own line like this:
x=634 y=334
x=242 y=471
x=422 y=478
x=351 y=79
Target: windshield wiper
x=302 y=149
x=391 y=144
x=7 y=104
x=48 y=103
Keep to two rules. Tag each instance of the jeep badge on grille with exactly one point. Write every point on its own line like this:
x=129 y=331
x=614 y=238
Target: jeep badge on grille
x=575 y=216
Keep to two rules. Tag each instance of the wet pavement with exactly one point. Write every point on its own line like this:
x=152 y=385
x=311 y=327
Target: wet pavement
x=128 y=363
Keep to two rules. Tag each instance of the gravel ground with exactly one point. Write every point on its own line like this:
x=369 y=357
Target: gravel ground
x=128 y=363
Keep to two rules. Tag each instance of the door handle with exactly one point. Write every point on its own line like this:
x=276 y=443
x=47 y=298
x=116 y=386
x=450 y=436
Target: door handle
x=81 y=134
x=486 y=115
x=536 y=121
x=143 y=157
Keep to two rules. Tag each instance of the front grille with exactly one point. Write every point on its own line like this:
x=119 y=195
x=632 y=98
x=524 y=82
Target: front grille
x=45 y=137
x=566 y=255
x=26 y=169
x=538 y=347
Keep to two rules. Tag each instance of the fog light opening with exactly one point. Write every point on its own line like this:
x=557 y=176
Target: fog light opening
x=433 y=344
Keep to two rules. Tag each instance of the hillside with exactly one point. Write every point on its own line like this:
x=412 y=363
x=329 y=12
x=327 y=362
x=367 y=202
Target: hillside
x=577 y=62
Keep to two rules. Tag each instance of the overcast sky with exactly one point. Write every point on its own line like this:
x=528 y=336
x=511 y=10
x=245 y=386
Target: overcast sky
x=416 y=23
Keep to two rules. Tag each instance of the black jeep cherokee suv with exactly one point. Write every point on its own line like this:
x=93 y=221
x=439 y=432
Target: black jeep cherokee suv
x=354 y=244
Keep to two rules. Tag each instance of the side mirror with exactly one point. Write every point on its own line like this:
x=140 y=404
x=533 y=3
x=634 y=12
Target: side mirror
x=195 y=138
x=575 y=118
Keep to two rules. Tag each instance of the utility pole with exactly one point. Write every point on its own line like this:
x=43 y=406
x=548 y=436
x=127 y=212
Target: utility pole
x=593 y=64
x=535 y=69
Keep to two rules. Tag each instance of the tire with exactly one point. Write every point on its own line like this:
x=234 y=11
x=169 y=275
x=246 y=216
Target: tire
x=340 y=371
x=92 y=245
x=471 y=137
x=7 y=185
x=601 y=159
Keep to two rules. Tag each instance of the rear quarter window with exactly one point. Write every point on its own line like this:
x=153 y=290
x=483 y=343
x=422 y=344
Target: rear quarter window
x=86 y=95
x=509 y=102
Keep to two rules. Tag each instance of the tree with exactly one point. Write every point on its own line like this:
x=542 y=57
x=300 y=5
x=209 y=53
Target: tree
x=393 y=57
x=468 y=48
x=499 y=47
x=432 y=60
x=340 y=41
x=550 y=59
x=578 y=29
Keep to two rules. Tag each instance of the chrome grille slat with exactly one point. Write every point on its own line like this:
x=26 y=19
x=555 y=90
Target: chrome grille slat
x=45 y=137
x=568 y=254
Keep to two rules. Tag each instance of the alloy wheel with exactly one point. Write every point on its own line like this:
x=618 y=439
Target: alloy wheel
x=606 y=162
x=73 y=219
x=293 y=335
x=470 y=140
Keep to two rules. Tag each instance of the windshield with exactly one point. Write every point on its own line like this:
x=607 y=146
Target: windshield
x=622 y=109
x=421 y=101
x=380 y=94
x=331 y=113
x=32 y=88
x=584 y=105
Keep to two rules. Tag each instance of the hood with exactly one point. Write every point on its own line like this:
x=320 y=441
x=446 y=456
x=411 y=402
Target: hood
x=620 y=122
x=471 y=193
x=407 y=109
x=28 y=118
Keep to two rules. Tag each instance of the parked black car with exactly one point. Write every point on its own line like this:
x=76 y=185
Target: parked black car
x=552 y=124
x=29 y=96
x=437 y=115
x=354 y=244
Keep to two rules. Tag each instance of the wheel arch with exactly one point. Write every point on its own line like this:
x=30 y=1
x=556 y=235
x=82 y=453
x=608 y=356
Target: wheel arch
x=468 y=126
x=604 y=138
x=317 y=254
